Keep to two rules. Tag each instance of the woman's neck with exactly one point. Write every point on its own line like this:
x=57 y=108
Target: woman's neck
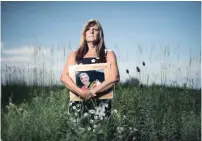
x=91 y=47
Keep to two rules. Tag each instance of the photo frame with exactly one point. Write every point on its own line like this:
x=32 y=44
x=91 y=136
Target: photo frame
x=87 y=76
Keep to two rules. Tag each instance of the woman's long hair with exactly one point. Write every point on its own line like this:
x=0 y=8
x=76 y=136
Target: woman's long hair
x=83 y=47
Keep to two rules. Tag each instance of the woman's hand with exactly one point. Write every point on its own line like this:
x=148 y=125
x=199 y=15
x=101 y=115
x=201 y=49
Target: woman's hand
x=86 y=94
x=114 y=75
x=93 y=92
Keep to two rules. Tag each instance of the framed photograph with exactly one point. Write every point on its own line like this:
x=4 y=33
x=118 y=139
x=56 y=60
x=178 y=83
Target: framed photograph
x=89 y=76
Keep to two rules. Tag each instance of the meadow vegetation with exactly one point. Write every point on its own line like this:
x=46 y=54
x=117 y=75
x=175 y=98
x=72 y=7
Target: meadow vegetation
x=149 y=113
x=139 y=112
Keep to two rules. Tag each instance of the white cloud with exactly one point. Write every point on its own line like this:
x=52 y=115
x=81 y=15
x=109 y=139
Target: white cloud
x=25 y=51
x=49 y=62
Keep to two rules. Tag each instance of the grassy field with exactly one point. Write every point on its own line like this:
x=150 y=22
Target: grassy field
x=32 y=112
x=154 y=113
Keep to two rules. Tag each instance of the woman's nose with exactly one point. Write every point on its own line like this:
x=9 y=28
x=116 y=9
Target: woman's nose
x=91 y=31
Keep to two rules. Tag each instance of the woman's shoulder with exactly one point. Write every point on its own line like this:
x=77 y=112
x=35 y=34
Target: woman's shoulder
x=72 y=53
x=110 y=55
x=108 y=51
x=71 y=57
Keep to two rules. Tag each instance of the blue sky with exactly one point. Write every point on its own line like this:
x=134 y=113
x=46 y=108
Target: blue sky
x=129 y=27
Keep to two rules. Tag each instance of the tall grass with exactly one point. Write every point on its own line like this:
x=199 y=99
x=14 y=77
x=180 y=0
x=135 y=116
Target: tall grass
x=34 y=107
x=46 y=65
x=151 y=113
x=43 y=67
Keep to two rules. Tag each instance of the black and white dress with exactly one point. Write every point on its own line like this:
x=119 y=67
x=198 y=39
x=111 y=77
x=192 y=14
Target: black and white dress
x=96 y=108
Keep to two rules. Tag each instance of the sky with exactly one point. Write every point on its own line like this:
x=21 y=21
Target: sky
x=165 y=35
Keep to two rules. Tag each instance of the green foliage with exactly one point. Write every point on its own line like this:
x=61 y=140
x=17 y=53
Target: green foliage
x=155 y=113
x=132 y=81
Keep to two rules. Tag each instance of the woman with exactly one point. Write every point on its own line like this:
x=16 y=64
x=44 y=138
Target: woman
x=91 y=50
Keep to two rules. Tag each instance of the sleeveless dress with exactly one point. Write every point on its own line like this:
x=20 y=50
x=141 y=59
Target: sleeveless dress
x=96 y=108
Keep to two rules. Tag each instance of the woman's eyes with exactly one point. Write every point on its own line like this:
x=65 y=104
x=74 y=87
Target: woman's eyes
x=92 y=29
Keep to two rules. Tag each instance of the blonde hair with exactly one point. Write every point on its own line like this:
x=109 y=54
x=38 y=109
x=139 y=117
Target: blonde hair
x=83 y=47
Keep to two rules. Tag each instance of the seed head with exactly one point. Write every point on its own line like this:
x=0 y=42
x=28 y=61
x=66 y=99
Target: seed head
x=143 y=63
x=127 y=71
x=138 y=69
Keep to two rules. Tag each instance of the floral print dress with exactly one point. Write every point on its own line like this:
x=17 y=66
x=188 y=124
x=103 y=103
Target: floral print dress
x=97 y=109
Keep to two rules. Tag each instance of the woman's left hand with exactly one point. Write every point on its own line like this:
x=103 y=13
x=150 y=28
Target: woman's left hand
x=93 y=92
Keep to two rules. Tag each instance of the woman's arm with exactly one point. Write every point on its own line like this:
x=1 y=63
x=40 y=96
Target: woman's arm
x=66 y=79
x=114 y=75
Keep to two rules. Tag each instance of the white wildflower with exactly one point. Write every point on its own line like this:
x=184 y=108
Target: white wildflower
x=85 y=114
x=102 y=104
x=76 y=114
x=91 y=121
x=92 y=111
x=95 y=117
x=102 y=114
x=114 y=111
x=100 y=111
x=89 y=128
x=130 y=128
x=78 y=105
x=101 y=118
x=134 y=129
x=120 y=129
x=74 y=107
x=70 y=103
x=95 y=126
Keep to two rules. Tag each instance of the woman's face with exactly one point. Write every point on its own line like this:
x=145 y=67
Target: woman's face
x=92 y=33
x=84 y=79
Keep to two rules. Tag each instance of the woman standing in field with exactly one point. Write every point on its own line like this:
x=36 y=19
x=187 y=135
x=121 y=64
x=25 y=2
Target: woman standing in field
x=91 y=50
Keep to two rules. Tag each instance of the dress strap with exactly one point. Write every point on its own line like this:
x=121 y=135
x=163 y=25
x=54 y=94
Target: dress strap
x=107 y=50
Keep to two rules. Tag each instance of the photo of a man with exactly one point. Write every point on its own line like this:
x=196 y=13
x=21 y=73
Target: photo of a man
x=84 y=78
x=89 y=79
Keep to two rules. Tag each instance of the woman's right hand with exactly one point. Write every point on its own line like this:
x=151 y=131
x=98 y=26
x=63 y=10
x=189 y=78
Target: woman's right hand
x=86 y=94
